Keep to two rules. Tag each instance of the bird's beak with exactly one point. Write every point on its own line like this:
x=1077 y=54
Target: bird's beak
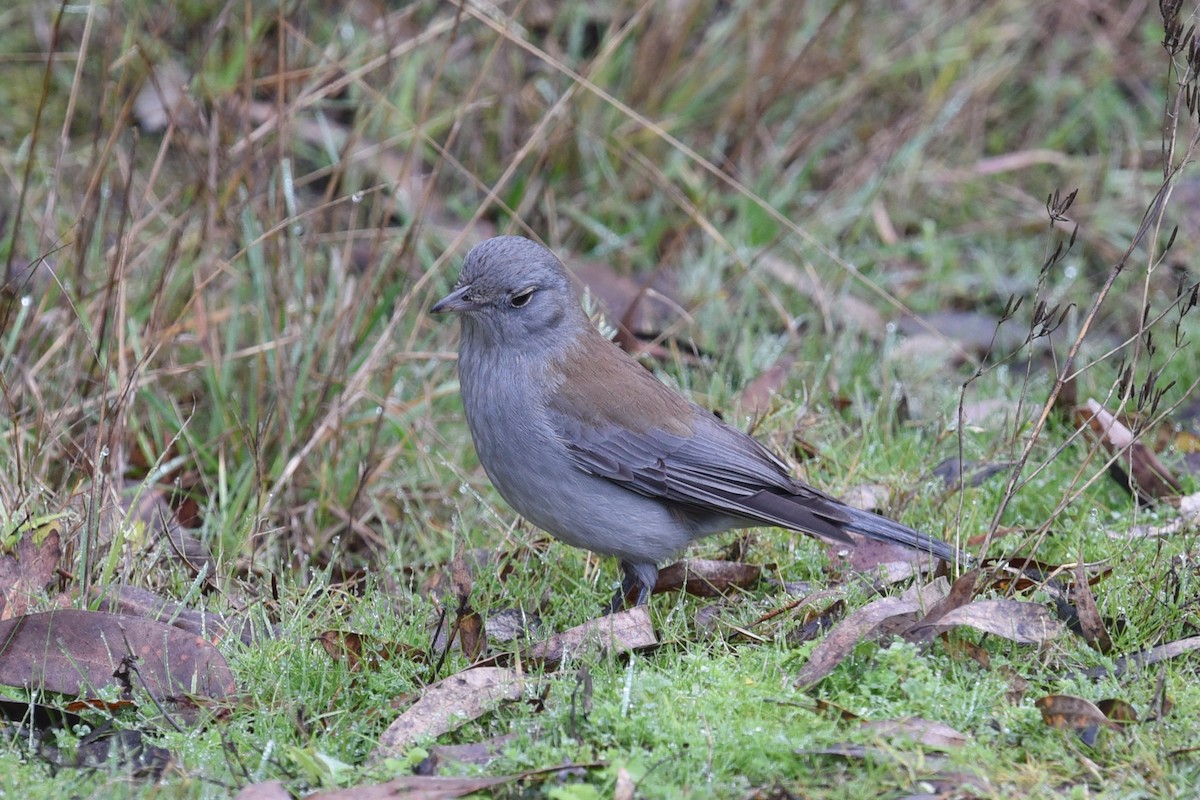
x=455 y=302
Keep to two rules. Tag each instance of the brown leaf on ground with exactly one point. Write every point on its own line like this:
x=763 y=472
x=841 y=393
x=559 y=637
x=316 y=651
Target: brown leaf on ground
x=1090 y=623
x=622 y=632
x=417 y=787
x=1138 y=469
x=512 y=624
x=1017 y=685
x=267 y=790
x=125 y=750
x=927 y=732
x=815 y=624
x=838 y=307
x=892 y=563
x=640 y=307
x=138 y=602
x=468 y=624
x=961 y=649
x=1074 y=713
x=1015 y=620
x=25 y=575
x=471 y=636
x=1118 y=710
x=971 y=474
x=476 y=754
x=75 y=652
x=1154 y=655
x=756 y=396
x=449 y=704
x=437 y=787
x=704 y=578
x=859 y=626
x=962 y=592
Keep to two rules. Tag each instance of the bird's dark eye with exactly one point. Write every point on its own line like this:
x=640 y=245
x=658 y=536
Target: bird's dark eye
x=521 y=298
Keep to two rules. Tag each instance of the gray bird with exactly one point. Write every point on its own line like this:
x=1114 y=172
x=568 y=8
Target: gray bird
x=586 y=444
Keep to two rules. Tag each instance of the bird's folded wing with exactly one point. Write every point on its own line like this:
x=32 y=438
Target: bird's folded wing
x=716 y=470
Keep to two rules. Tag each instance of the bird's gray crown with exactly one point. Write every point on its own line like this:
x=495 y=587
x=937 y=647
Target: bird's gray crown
x=513 y=289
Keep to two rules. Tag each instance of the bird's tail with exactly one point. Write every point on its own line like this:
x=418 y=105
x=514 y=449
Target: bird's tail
x=883 y=529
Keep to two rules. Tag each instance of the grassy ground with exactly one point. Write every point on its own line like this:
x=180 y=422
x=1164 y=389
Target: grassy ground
x=221 y=300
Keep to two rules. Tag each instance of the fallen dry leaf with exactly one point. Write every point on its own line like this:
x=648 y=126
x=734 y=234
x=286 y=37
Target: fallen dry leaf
x=838 y=308
x=76 y=652
x=930 y=733
x=1138 y=470
x=359 y=649
x=26 y=574
x=267 y=790
x=138 y=602
x=756 y=396
x=857 y=627
x=892 y=562
x=1074 y=713
x=1154 y=655
x=450 y=703
x=477 y=754
x=1015 y=620
x=815 y=624
x=962 y=592
x=953 y=472
x=623 y=632
x=701 y=577
x=1090 y=623
x=437 y=787
x=1118 y=710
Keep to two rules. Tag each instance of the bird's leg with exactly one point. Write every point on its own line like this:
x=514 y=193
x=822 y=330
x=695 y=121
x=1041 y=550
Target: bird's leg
x=634 y=576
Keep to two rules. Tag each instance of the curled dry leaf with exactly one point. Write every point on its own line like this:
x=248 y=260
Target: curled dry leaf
x=963 y=591
x=1090 y=623
x=450 y=703
x=1138 y=470
x=1117 y=710
x=1074 y=713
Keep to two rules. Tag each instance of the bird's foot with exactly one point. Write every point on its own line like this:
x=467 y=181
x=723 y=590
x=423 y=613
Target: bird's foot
x=641 y=577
